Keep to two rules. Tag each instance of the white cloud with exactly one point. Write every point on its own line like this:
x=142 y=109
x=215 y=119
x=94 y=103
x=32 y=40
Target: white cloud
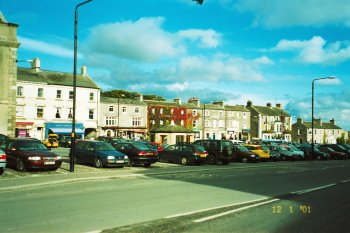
x=45 y=48
x=142 y=40
x=178 y=86
x=205 y=38
x=316 y=50
x=297 y=12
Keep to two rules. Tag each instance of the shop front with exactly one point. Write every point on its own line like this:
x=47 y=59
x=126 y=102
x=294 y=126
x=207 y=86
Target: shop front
x=64 y=129
x=23 y=129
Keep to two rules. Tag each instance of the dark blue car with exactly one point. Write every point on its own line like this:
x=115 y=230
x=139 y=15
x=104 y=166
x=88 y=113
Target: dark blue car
x=99 y=154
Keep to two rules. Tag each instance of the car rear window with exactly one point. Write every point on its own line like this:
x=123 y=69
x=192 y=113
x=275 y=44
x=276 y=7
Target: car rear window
x=103 y=146
x=141 y=146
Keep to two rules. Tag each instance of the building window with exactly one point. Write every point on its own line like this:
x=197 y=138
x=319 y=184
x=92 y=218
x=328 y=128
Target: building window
x=40 y=113
x=207 y=113
x=91 y=114
x=40 y=92
x=111 y=108
x=136 y=121
x=221 y=123
x=161 y=111
x=194 y=112
x=58 y=113
x=112 y=121
x=194 y=124
x=137 y=110
x=182 y=112
x=19 y=91
x=70 y=116
x=161 y=122
x=182 y=123
x=172 y=111
x=214 y=123
x=58 y=94
x=124 y=109
x=221 y=113
x=153 y=110
x=91 y=96
x=71 y=95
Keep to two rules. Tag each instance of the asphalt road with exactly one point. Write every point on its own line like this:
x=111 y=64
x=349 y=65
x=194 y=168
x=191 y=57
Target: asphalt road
x=149 y=199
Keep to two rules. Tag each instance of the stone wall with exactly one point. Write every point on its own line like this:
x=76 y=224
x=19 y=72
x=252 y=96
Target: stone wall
x=8 y=76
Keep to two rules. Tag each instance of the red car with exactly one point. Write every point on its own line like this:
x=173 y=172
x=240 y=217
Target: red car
x=25 y=154
x=2 y=161
x=333 y=154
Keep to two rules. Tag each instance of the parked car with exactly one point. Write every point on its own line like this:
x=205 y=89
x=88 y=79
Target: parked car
x=184 y=154
x=138 y=153
x=263 y=153
x=51 y=141
x=285 y=152
x=317 y=153
x=2 y=161
x=333 y=154
x=242 y=154
x=274 y=153
x=111 y=140
x=301 y=155
x=339 y=148
x=25 y=154
x=160 y=146
x=218 y=150
x=65 y=141
x=99 y=154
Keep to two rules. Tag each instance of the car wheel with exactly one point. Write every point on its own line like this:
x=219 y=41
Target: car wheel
x=244 y=160
x=212 y=159
x=146 y=165
x=1 y=171
x=20 y=166
x=98 y=163
x=184 y=161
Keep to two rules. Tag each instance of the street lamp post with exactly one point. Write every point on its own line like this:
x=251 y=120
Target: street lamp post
x=312 y=112
x=72 y=154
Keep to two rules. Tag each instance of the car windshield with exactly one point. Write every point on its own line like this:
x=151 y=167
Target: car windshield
x=243 y=149
x=103 y=146
x=31 y=145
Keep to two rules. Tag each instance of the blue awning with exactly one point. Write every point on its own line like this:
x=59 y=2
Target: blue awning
x=66 y=130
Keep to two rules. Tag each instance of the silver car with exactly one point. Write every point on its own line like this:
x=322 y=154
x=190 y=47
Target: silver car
x=2 y=161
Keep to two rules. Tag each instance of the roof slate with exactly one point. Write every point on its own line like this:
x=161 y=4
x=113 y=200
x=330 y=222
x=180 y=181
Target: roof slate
x=54 y=78
x=121 y=101
x=271 y=111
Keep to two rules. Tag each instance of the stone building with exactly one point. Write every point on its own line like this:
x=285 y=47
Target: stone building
x=8 y=76
x=324 y=132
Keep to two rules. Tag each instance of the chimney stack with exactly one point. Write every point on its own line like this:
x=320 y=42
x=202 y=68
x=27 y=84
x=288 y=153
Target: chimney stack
x=177 y=100
x=83 y=70
x=36 y=64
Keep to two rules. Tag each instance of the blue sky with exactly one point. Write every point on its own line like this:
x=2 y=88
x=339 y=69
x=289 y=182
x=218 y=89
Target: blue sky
x=231 y=50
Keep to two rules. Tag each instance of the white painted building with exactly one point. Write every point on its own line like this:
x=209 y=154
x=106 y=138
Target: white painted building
x=125 y=118
x=45 y=103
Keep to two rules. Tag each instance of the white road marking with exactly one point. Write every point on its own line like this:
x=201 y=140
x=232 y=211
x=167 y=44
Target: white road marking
x=214 y=208
x=233 y=211
x=313 y=189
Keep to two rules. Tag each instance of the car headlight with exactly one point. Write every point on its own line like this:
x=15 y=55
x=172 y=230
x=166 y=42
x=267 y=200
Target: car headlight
x=253 y=156
x=110 y=157
x=34 y=158
x=126 y=157
x=58 y=158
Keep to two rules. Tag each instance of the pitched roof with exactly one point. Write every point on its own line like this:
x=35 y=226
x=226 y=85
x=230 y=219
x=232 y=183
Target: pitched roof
x=162 y=103
x=271 y=111
x=323 y=126
x=239 y=108
x=121 y=101
x=54 y=78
